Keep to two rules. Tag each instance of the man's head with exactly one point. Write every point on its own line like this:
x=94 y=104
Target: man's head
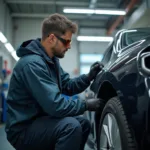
x=57 y=32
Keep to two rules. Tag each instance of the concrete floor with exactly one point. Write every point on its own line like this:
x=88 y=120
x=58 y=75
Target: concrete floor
x=4 y=145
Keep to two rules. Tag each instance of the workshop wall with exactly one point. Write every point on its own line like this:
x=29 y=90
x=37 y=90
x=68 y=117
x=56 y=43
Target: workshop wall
x=6 y=28
x=92 y=47
x=140 y=17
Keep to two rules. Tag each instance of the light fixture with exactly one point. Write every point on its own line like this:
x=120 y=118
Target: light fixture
x=79 y=11
x=110 y=12
x=95 y=38
x=2 y=38
x=94 y=11
x=15 y=56
x=9 y=47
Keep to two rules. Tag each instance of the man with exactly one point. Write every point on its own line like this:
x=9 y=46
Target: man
x=38 y=116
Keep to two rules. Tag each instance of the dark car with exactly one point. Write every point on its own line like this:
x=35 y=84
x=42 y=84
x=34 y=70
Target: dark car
x=123 y=86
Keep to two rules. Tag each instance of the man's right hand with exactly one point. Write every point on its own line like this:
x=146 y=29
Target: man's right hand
x=94 y=70
x=93 y=104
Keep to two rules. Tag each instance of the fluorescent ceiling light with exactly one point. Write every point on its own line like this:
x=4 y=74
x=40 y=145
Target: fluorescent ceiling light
x=15 y=56
x=79 y=11
x=94 y=11
x=95 y=38
x=2 y=38
x=110 y=12
x=9 y=47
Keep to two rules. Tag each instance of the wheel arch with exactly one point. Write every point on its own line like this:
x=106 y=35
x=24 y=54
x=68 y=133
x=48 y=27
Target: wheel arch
x=103 y=94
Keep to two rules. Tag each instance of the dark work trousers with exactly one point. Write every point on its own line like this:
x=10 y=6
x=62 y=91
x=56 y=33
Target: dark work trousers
x=45 y=133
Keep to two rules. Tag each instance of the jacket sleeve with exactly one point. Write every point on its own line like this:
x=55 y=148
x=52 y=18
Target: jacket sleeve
x=73 y=86
x=46 y=92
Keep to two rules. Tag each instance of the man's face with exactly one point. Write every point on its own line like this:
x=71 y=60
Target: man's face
x=62 y=44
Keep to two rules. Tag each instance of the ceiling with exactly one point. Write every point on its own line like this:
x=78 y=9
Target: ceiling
x=42 y=8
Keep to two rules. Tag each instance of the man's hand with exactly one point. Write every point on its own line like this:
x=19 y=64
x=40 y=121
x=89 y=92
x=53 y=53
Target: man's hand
x=93 y=104
x=94 y=70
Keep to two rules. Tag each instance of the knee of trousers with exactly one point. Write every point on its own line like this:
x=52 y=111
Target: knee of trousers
x=87 y=124
x=71 y=124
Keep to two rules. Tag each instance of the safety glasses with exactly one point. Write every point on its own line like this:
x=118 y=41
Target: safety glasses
x=65 y=42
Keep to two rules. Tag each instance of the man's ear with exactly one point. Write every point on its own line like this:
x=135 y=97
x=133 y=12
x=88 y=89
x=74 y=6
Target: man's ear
x=51 y=38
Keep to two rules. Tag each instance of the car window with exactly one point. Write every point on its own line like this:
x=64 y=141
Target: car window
x=131 y=36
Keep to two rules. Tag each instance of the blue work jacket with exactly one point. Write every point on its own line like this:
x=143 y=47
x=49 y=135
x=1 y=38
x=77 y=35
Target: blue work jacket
x=35 y=89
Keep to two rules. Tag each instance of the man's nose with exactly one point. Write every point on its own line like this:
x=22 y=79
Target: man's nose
x=69 y=46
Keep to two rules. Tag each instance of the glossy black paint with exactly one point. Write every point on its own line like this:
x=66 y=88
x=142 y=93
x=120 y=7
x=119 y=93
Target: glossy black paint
x=123 y=76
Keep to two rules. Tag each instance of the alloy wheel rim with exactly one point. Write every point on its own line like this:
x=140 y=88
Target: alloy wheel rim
x=110 y=135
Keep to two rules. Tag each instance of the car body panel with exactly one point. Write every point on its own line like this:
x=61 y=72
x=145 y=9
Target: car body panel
x=122 y=72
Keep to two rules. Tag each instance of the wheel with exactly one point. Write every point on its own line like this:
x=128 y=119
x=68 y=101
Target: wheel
x=114 y=132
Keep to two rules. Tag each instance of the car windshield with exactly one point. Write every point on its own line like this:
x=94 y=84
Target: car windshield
x=132 y=36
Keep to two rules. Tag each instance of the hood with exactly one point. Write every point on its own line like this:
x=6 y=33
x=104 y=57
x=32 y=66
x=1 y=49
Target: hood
x=32 y=47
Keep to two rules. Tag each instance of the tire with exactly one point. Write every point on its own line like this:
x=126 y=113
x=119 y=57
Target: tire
x=114 y=123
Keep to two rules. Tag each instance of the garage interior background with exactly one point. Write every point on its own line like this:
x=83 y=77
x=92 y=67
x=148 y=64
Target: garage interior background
x=21 y=20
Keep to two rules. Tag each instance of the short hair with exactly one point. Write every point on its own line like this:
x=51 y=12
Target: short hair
x=57 y=24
